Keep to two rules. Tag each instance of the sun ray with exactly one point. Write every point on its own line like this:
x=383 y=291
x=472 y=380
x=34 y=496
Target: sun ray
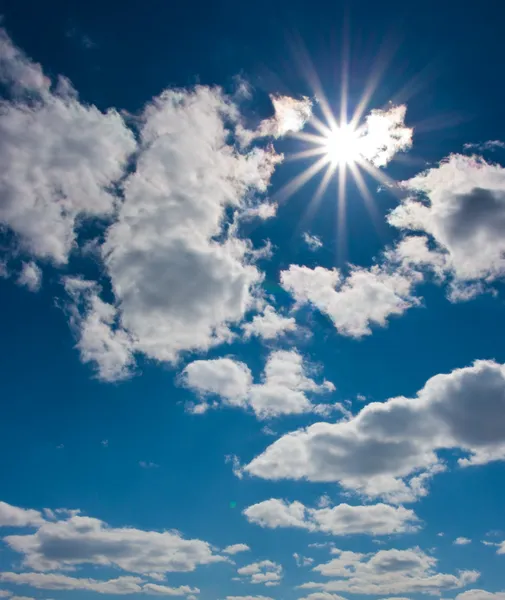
x=305 y=154
x=367 y=197
x=300 y=180
x=341 y=213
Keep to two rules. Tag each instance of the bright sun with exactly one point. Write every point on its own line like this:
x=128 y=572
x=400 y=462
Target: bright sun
x=342 y=145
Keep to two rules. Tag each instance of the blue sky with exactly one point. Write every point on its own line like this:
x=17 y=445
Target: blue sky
x=217 y=382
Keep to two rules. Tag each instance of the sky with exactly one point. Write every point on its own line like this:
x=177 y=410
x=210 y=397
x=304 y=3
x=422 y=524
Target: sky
x=251 y=284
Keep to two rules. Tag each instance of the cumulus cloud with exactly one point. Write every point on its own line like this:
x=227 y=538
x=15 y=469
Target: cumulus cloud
x=480 y=595
x=269 y=325
x=236 y=548
x=84 y=540
x=390 y=449
x=462 y=541
x=387 y=572
x=313 y=241
x=13 y=516
x=322 y=596
x=343 y=519
x=30 y=276
x=118 y=586
x=460 y=204
x=266 y=571
x=100 y=339
x=59 y=158
x=248 y=598
x=365 y=297
x=283 y=390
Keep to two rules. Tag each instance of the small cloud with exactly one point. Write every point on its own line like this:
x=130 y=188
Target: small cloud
x=487 y=543
x=30 y=276
x=361 y=398
x=60 y=446
x=441 y=534
x=105 y=443
x=236 y=548
x=313 y=241
x=148 y=465
x=462 y=541
x=302 y=561
x=489 y=145
x=82 y=39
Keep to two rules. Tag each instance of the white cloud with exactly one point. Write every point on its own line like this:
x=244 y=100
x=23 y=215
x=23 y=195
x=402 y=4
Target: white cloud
x=302 y=561
x=462 y=541
x=148 y=464
x=236 y=548
x=13 y=516
x=30 y=276
x=171 y=223
x=58 y=158
x=84 y=540
x=5 y=593
x=460 y=204
x=265 y=571
x=388 y=572
x=343 y=519
x=389 y=449
x=100 y=340
x=365 y=297
x=313 y=241
x=283 y=390
x=480 y=595
x=322 y=596
x=269 y=325
x=384 y=135
x=118 y=586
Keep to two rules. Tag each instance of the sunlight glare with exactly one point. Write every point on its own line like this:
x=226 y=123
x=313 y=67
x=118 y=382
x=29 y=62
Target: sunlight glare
x=342 y=145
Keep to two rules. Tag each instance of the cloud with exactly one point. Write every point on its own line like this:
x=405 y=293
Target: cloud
x=84 y=540
x=389 y=449
x=148 y=464
x=283 y=390
x=365 y=297
x=489 y=145
x=30 y=276
x=322 y=596
x=384 y=134
x=460 y=204
x=100 y=340
x=269 y=325
x=387 y=572
x=302 y=561
x=462 y=541
x=265 y=571
x=188 y=175
x=118 y=586
x=59 y=158
x=13 y=516
x=313 y=241
x=343 y=519
x=480 y=595
x=236 y=548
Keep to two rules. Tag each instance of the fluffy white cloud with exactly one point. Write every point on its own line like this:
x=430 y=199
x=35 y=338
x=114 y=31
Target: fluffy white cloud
x=236 y=548
x=265 y=571
x=269 y=325
x=84 y=540
x=13 y=516
x=322 y=596
x=365 y=297
x=343 y=519
x=188 y=175
x=100 y=340
x=118 y=586
x=30 y=276
x=313 y=241
x=384 y=134
x=58 y=157
x=461 y=204
x=387 y=572
x=480 y=595
x=390 y=449
x=302 y=561
x=283 y=390
x=462 y=541
x=248 y=598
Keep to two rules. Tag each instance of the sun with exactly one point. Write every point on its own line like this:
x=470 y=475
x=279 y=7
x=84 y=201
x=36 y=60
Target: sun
x=342 y=145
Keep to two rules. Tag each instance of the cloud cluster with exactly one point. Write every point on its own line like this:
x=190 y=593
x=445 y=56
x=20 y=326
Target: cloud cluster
x=283 y=390
x=365 y=297
x=343 y=519
x=460 y=205
x=118 y=586
x=82 y=540
x=387 y=572
x=13 y=516
x=389 y=449
x=266 y=571
x=269 y=325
